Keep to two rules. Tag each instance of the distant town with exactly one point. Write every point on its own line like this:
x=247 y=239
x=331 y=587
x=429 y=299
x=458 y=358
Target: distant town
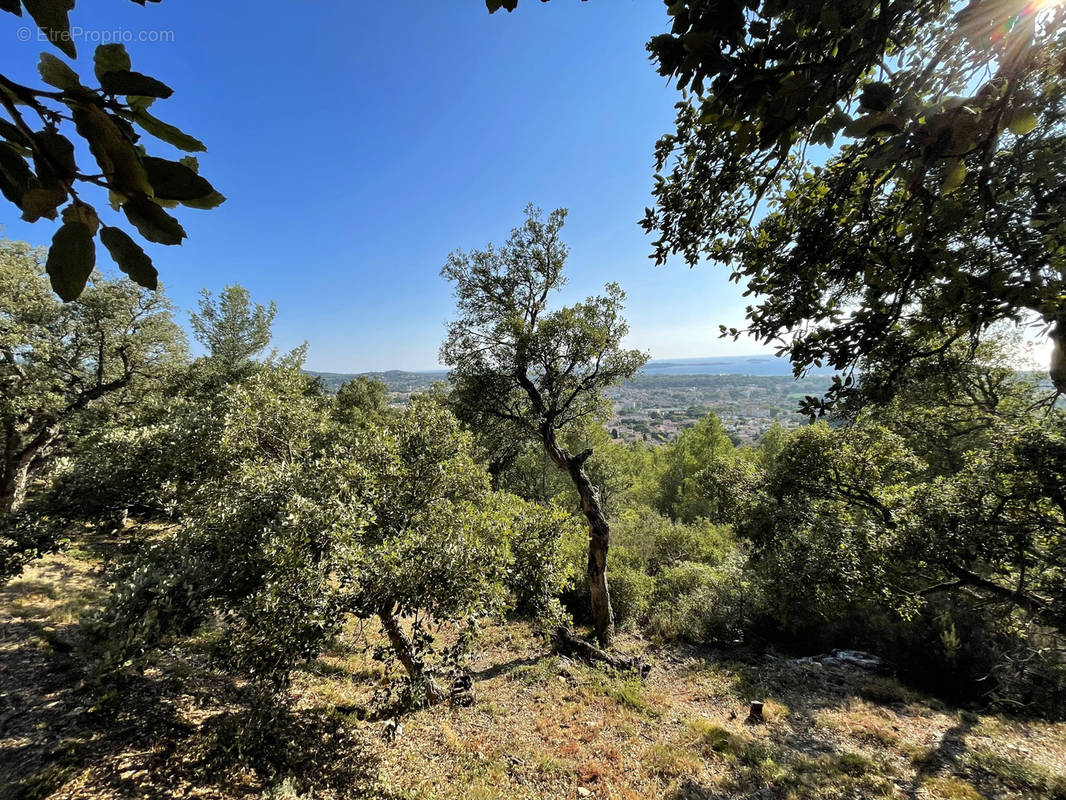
x=748 y=393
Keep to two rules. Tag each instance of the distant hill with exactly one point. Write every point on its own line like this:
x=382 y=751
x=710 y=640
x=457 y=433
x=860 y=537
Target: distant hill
x=760 y=365
x=396 y=379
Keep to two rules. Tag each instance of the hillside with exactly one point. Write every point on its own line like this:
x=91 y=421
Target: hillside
x=542 y=727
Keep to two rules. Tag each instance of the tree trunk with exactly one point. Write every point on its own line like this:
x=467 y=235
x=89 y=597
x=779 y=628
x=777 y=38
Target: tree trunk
x=401 y=644
x=13 y=486
x=19 y=456
x=599 y=533
x=1057 y=367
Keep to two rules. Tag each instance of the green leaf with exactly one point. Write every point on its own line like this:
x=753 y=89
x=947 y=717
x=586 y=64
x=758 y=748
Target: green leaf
x=174 y=181
x=52 y=17
x=129 y=256
x=954 y=176
x=876 y=124
x=83 y=213
x=71 y=259
x=1023 y=122
x=138 y=102
x=168 y=133
x=61 y=164
x=116 y=155
x=154 y=224
x=42 y=201
x=110 y=58
x=125 y=82
x=206 y=203
x=55 y=72
x=12 y=134
x=15 y=174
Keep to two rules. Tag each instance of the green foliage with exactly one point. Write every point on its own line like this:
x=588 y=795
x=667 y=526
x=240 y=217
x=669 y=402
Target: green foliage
x=66 y=365
x=942 y=505
x=678 y=580
x=514 y=360
x=39 y=169
x=680 y=494
x=631 y=590
x=232 y=328
x=955 y=118
x=540 y=570
x=361 y=399
x=303 y=523
x=703 y=603
x=659 y=542
x=954 y=166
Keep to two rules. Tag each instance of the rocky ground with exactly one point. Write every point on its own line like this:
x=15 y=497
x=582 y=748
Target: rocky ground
x=543 y=726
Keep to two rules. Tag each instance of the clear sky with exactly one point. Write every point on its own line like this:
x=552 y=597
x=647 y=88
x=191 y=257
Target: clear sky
x=359 y=143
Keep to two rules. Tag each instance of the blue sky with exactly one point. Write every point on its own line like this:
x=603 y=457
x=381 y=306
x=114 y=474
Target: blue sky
x=359 y=143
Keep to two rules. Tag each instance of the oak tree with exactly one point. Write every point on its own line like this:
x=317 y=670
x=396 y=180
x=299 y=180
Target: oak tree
x=60 y=361
x=536 y=369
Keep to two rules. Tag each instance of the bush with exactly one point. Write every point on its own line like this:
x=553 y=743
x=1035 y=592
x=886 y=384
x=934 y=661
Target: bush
x=312 y=525
x=661 y=542
x=701 y=603
x=631 y=591
x=542 y=542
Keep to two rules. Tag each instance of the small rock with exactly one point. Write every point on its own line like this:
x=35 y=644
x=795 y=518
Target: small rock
x=583 y=792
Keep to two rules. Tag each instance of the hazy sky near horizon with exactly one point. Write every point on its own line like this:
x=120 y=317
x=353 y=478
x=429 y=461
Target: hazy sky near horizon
x=360 y=143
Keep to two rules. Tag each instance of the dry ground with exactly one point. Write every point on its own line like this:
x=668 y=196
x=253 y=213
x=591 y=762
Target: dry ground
x=543 y=726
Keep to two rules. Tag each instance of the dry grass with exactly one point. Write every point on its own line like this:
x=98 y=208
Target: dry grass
x=544 y=726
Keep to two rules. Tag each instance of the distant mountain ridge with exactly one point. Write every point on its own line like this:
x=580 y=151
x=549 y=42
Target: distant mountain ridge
x=761 y=365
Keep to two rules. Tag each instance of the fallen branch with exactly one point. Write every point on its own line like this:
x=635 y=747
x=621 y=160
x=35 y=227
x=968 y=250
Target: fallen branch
x=568 y=644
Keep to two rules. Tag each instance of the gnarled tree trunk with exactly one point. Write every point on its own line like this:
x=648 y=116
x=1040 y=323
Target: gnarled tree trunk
x=599 y=532
x=18 y=458
x=12 y=489
x=401 y=644
x=1057 y=367
x=14 y=477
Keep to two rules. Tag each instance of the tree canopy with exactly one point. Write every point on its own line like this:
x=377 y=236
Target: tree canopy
x=59 y=361
x=232 y=328
x=940 y=215
x=874 y=173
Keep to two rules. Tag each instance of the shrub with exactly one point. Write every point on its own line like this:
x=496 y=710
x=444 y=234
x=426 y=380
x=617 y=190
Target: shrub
x=631 y=591
x=313 y=525
x=661 y=542
x=542 y=540
x=701 y=603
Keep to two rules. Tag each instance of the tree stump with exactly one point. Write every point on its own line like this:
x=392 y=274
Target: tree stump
x=755 y=716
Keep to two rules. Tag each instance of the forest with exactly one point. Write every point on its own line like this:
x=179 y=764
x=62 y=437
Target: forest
x=224 y=575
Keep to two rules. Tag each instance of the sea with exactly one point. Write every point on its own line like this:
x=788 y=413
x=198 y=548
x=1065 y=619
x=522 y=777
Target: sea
x=726 y=365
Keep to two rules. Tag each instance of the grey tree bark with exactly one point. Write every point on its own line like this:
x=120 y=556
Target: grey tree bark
x=599 y=532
